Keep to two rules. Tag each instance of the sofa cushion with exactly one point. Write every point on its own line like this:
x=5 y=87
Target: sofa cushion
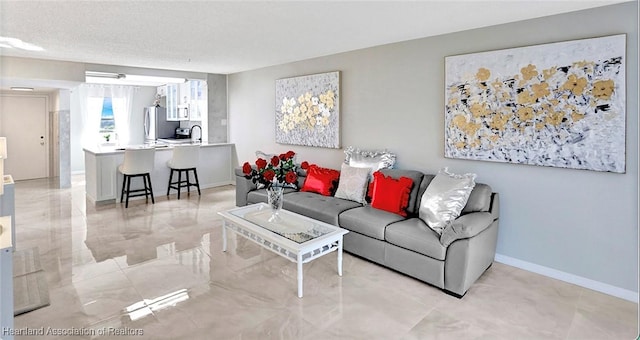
x=391 y=194
x=416 y=176
x=479 y=200
x=413 y=234
x=321 y=180
x=322 y=208
x=368 y=221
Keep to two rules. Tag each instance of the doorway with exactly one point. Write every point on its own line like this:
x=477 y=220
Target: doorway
x=23 y=120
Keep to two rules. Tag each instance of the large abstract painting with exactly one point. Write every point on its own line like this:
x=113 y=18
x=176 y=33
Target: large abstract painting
x=559 y=104
x=308 y=110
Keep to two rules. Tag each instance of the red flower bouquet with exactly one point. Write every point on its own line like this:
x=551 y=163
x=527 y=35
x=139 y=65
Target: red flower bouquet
x=278 y=171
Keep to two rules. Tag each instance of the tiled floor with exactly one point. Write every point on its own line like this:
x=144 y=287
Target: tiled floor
x=160 y=269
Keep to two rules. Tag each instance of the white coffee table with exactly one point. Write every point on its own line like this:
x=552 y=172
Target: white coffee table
x=298 y=238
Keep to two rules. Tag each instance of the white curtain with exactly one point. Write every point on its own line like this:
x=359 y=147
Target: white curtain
x=121 y=100
x=91 y=99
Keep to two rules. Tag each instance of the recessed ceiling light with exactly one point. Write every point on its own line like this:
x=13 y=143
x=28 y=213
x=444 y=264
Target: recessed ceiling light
x=22 y=88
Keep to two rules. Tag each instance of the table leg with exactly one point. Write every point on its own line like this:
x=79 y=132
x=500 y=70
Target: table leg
x=340 y=257
x=299 y=275
x=224 y=236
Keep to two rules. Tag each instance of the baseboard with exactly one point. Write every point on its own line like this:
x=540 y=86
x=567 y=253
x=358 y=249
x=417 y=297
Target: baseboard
x=217 y=184
x=570 y=278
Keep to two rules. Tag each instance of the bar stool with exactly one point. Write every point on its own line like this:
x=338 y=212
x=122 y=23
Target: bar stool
x=137 y=163
x=183 y=160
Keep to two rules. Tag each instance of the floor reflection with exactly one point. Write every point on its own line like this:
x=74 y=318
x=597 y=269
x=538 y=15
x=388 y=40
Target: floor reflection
x=160 y=268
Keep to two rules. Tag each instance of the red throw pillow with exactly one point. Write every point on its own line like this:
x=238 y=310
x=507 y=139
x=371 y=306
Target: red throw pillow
x=320 y=180
x=391 y=194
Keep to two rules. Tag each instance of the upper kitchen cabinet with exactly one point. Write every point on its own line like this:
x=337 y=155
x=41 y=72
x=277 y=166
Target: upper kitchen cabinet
x=186 y=101
x=197 y=99
x=172 y=93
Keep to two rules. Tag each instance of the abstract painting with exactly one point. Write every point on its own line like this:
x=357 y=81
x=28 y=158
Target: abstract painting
x=308 y=110
x=559 y=105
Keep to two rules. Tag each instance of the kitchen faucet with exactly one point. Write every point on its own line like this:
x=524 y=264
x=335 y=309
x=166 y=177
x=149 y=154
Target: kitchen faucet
x=191 y=131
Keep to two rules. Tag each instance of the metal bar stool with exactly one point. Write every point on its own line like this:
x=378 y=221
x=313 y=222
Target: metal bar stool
x=137 y=163
x=184 y=159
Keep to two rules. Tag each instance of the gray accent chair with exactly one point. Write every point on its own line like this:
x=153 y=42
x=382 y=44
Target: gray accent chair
x=452 y=261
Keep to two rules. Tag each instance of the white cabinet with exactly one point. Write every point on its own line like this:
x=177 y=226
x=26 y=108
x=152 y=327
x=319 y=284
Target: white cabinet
x=101 y=175
x=172 y=91
x=7 y=204
x=186 y=101
x=6 y=277
x=183 y=103
x=7 y=246
x=197 y=99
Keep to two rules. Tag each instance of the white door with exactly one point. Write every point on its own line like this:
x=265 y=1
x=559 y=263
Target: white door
x=23 y=120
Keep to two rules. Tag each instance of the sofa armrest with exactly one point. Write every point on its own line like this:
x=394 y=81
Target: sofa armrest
x=466 y=226
x=243 y=187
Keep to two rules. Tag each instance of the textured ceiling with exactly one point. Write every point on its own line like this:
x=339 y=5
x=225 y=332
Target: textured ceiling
x=233 y=36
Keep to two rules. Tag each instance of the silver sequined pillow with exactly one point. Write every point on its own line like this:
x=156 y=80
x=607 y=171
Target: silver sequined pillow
x=373 y=159
x=444 y=199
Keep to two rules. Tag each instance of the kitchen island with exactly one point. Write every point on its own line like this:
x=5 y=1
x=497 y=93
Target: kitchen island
x=104 y=181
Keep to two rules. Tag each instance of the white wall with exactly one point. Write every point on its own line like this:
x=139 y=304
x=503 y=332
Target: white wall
x=582 y=223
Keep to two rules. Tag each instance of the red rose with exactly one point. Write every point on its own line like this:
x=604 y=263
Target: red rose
x=290 y=154
x=283 y=156
x=246 y=168
x=304 y=165
x=290 y=177
x=275 y=161
x=261 y=163
x=269 y=175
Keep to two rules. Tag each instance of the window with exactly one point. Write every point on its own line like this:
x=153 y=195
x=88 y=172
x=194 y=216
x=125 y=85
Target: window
x=107 y=122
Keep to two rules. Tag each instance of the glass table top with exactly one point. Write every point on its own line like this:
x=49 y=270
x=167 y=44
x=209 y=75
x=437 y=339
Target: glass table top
x=286 y=224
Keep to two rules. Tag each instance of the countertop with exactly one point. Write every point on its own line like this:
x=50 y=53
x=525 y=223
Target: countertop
x=5 y=232
x=106 y=149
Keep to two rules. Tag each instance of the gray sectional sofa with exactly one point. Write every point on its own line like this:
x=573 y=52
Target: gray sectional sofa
x=452 y=262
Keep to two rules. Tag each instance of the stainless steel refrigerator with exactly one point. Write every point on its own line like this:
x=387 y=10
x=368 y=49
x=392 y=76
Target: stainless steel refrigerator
x=156 y=125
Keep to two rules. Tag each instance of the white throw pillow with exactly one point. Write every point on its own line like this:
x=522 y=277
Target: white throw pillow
x=444 y=199
x=353 y=183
